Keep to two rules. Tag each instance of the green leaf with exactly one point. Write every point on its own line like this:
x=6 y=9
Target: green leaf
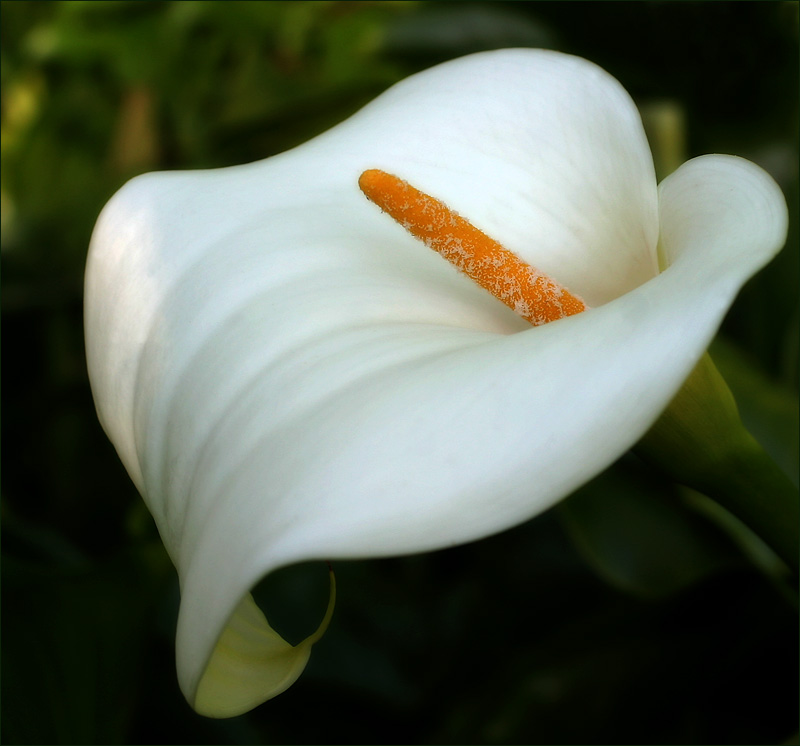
x=769 y=410
x=638 y=536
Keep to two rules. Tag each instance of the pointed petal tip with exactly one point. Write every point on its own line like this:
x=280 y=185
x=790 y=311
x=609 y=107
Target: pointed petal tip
x=251 y=663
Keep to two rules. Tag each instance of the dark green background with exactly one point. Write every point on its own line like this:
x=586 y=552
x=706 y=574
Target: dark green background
x=634 y=613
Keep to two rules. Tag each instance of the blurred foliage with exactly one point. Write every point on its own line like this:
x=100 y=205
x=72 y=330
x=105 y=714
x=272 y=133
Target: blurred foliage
x=626 y=616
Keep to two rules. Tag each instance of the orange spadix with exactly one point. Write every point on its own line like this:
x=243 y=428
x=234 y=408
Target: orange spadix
x=532 y=294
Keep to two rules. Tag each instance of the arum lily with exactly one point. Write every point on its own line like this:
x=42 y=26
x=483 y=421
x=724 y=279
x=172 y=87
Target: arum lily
x=288 y=373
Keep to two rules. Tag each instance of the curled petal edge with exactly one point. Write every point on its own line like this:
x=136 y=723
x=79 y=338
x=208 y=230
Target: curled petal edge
x=251 y=662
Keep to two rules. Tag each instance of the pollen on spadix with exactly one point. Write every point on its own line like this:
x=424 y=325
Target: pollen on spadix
x=532 y=294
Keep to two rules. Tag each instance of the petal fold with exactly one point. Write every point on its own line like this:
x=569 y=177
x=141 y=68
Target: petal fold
x=725 y=208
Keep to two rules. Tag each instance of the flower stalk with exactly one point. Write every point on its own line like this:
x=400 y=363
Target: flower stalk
x=701 y=442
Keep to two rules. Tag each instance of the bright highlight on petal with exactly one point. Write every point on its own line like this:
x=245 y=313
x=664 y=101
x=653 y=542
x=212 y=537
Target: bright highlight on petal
x=528 y=292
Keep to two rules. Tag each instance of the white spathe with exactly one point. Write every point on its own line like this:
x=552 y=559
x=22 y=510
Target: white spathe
x=288 y=375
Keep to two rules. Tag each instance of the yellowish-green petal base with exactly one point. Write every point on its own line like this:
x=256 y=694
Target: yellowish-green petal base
x=252 y=663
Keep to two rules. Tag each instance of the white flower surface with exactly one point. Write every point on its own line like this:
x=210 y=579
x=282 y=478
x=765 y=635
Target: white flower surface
x=287 y=374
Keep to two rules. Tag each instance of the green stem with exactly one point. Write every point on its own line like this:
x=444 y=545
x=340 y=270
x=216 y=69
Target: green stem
x=758 y=492
x=700 y=442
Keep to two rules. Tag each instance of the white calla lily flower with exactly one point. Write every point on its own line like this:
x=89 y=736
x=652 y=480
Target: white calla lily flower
x=287 y=374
